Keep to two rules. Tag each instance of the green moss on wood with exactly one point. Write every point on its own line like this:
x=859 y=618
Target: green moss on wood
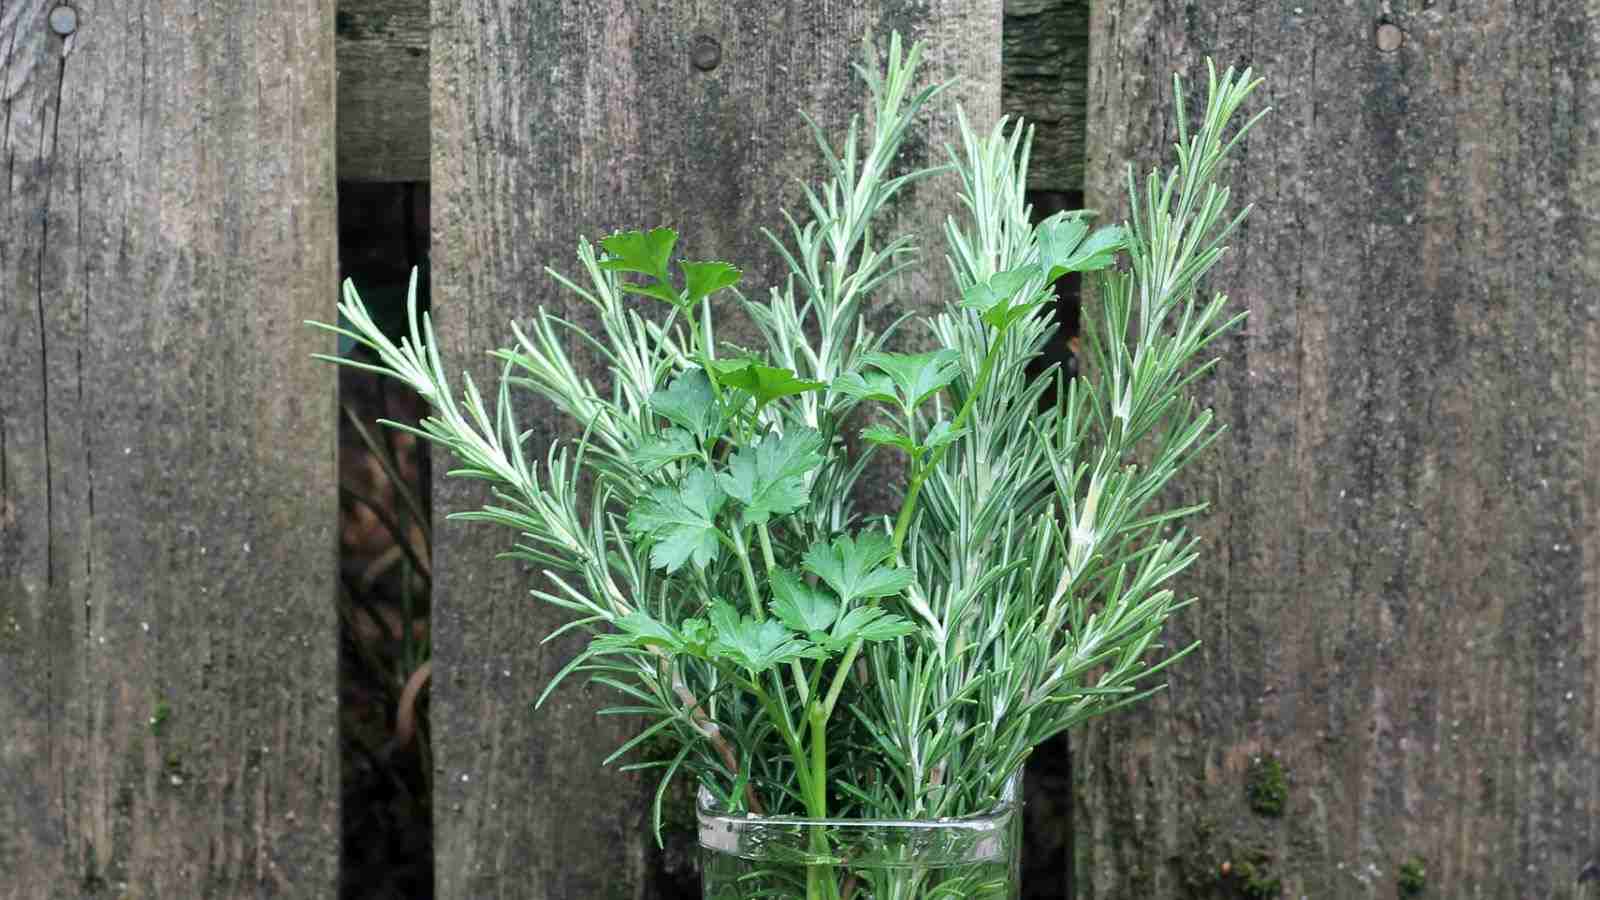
x=1213 y=868
x=1258 y=883
x=1413 y=877
x=1267 y=787
x=159 y=716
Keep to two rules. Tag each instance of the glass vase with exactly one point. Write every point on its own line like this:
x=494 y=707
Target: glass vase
x=744 y=857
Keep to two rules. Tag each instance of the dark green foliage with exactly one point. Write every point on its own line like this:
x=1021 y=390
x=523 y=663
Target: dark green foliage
x=159 y=716
x=1413 y=879
x=1267 y=788
x=1257 y=882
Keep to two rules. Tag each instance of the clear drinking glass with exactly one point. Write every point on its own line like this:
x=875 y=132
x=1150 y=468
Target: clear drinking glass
x=744 y=857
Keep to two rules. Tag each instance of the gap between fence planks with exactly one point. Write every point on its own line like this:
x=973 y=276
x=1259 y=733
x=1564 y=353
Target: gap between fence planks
x=167 y=637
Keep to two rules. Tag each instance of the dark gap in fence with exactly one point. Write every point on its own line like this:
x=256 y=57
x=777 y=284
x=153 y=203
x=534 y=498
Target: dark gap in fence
x=1047 y=790
x=385 y=565
x=1063 y=349
x=1044 y=79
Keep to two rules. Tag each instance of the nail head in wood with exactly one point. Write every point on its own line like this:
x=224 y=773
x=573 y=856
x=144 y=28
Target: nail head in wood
x=705 y=52
x=63 y=20
x=1390 y=37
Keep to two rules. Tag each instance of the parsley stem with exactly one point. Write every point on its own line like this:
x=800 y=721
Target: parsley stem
x=743 y=553
x=800 y=680
x=817 y=802
x=839 y=676
x=819 y=879
x=783 y=694
x=903 y=521
x=766 y=547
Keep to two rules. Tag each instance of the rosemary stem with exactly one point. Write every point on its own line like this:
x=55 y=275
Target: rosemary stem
x=779 y=717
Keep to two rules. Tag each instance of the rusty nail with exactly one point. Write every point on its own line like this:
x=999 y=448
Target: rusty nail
x=63 y=20
x=1390 y=37
x=705 y=53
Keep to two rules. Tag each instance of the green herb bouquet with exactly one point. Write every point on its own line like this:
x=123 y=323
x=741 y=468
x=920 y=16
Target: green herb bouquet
x=805 y=660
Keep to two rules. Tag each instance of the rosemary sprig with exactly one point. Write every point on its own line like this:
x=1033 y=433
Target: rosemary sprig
x=798 y=659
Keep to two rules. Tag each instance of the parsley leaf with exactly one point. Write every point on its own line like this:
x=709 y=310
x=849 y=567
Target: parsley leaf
x=1000 y=299
x=658 y=450
x=682 y=521
x=917 y=376
x=854 y=567
x=883 y=434
x=756 y=646
x=869 y=623
x=867 y=386
x=769 y=478
x=937 y=436
x=697 y=637
x=765 y=383
x=801 y=606
x=702 y=279
x=644 y=252
x=1063 y=249
x=689 y=402
x=648 y=252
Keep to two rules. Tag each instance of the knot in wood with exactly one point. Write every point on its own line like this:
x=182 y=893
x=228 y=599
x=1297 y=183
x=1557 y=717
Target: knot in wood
x=705 y=52
x=1390 y=37
x=63 y=20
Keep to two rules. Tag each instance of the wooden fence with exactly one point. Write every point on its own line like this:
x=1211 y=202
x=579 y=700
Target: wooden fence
x=1399 y=685
x=1401 y=599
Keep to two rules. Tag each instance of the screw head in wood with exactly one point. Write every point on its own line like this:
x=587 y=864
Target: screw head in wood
x=1389 y=37
x=63 y=20
x=705 y=52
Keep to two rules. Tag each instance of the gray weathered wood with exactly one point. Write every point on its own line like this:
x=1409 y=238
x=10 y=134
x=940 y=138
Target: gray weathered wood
x=578 y=119
x=383 y=87
x=1044 y=78
x=167 y=639
x=1399 y=597
x=382 y=50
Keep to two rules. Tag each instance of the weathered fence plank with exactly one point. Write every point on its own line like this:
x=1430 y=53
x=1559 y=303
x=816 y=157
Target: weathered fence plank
x=1399 y=596
x=382 y=50
x=577 y=119
x=383 y=87
x=167 y=637
x=1044 y=76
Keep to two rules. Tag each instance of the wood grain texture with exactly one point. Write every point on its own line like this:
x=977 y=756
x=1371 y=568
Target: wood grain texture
x=382 y=52
x=569 y=119
x=1044 y=78
x=167 y=637
x=1398 y=597
x=382 y=49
